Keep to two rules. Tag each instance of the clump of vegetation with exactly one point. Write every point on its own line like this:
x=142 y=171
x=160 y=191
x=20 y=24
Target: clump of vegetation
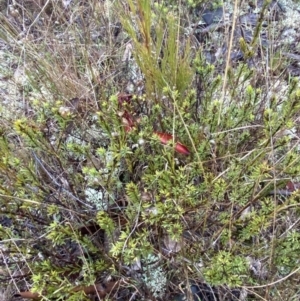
x=135 y=165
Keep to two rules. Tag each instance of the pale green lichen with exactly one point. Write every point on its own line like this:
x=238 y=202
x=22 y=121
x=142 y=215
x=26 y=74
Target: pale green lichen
x=96 y=198
x=154 y=277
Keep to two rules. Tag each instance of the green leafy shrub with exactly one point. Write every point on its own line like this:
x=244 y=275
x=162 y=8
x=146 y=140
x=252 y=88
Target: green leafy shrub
x=91 y=192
